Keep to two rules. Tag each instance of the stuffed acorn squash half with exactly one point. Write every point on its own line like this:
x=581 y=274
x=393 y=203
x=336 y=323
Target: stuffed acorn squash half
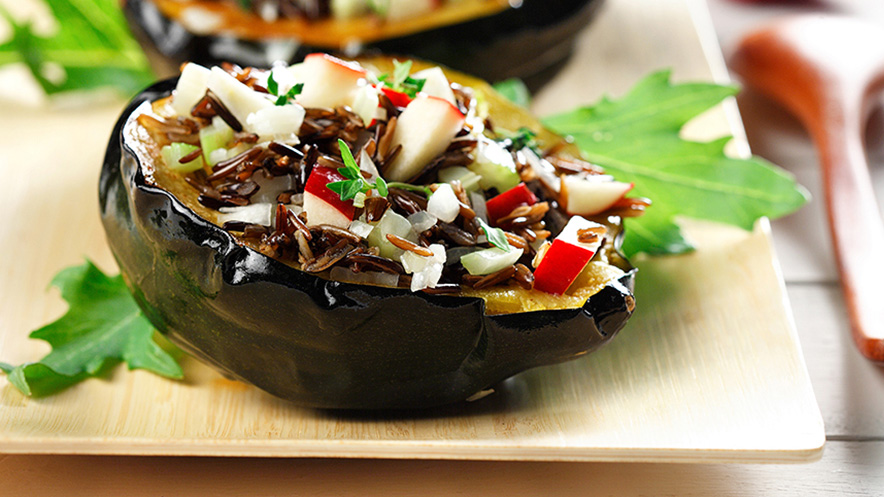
x=494 y=39
x=362 y=235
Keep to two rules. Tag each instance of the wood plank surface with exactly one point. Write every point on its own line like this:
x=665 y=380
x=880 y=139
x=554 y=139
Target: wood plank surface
x=851 y=470
x=709 y=370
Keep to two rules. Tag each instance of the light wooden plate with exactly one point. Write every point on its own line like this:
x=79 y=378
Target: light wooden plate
x=708 y=370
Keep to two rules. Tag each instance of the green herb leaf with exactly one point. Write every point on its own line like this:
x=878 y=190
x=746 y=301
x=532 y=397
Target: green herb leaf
x=273 y=88
x=414 y=188
x=347 y=156
x=520 y=139
x=514 y=90
x=637 y=140
x=93 y=46
x=381 y=186
x=401 y=70
x=295 y=90
x=401 y=81
x=495 y=236
x=272 y=85
x=102 y=327
x=355 y=182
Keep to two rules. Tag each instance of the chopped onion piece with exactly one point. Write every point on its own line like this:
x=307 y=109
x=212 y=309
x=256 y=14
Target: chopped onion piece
x=217 y=155
x=360 y=229
x=443 y=203
x=422 y=221
x=278 y=122
x=489 y=260
x=426 y=270
x=261 y=213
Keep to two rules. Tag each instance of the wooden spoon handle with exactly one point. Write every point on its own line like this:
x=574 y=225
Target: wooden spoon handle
x=855 y=223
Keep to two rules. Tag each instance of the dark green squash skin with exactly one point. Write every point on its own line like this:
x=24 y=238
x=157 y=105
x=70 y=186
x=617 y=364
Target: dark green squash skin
x=518 y=42
x=316 y=342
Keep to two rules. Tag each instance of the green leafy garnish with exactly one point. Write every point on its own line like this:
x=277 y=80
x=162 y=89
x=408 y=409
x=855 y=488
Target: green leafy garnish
x=495 y=236
x=92 y=46
x=273 y=88
x=355 y=182
x=636 y=138
x=520 y=139
x=514 y=90
x=401 y=81
x=102 y=327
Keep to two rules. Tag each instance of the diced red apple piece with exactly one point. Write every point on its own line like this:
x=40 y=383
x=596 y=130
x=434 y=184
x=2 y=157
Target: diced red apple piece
x=398 y=98
x=435 y=83
x=566 y=257
x=504 y=203
x=424 y=129
x=592 y=195
x=329 y=81
x=322 y=205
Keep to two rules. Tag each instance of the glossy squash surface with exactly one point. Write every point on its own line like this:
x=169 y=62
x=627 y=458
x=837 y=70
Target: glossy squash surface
x=488 y=38
x=318 y=342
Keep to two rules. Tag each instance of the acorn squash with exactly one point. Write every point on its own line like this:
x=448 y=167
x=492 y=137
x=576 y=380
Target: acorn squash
x=493 y=39
x=324 y=343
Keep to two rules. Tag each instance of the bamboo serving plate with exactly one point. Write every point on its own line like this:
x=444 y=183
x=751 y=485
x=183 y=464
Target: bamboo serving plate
x=709 y=369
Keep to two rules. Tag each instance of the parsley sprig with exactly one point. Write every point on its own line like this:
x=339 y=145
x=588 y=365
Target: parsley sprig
x=273 y=88
x=401 y=81
x=355 y=182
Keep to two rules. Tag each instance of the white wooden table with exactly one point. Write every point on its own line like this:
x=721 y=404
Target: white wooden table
x=850 y=391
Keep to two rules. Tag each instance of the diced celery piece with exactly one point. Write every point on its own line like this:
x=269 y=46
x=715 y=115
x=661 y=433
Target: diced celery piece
x=213 y=137
x=489 y=260
x=496 y=167
x=173 y=153
x=391 y=223
x=468 y=179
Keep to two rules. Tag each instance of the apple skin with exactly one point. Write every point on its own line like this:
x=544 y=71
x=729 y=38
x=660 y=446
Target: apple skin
x=424 y=129
x=398 y=98
x=322 y=205
x=329 y=81
x=560 y=266
x=503 y=204
x=588 y=197
x=566 y=257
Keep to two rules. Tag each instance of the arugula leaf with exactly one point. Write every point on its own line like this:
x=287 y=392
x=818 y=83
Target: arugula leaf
x=102 y=327
x=93 y=46
x=514 y=90
x=495 y=236
x=637 y=140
